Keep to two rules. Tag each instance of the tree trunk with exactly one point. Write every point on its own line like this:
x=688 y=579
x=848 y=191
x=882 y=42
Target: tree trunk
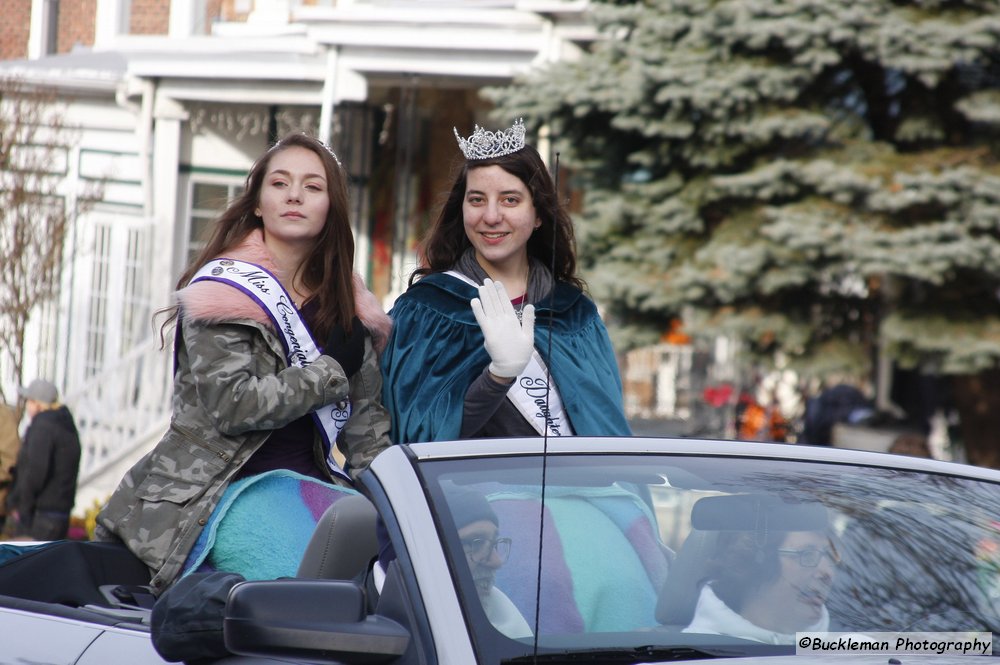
x=977 y=398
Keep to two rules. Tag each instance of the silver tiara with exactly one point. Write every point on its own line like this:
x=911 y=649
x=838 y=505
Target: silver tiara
x=332 y=153
x=484 y=144
x=277 y=144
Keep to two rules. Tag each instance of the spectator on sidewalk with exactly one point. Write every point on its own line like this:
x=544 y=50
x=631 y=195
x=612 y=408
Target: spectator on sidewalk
x=10 y=443
x=842 y=403
x=44 y=488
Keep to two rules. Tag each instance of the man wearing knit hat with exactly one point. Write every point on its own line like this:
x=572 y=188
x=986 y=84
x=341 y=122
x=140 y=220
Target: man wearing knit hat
x=44 y=489
x=478 y=530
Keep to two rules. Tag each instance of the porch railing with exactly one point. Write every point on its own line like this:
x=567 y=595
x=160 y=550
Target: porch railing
x=123 y=410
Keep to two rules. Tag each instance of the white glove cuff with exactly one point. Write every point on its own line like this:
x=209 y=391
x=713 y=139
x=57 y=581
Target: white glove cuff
x=509 y=371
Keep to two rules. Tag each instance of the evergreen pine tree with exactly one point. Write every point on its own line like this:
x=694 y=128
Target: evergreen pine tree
x=818 y=177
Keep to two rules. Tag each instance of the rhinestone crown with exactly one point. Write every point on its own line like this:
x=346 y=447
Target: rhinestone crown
x=278 y=144
x=484 y=144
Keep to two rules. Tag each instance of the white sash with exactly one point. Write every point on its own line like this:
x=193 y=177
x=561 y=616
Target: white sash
x=300 y=348
x=531 y=393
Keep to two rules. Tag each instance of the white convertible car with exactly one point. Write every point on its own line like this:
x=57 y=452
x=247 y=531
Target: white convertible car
x=597 y=550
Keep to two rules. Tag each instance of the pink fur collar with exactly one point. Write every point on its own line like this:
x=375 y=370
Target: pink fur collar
x=214 y=302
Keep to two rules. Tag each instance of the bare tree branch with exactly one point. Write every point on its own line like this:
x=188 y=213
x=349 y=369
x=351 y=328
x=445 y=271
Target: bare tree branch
x=36 y=209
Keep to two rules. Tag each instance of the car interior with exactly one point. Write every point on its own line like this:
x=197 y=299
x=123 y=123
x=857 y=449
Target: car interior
x=679 y=595
x=873 y=589
x=710 y=516
x=104 y=583
x=344 y=542
x=92 y=581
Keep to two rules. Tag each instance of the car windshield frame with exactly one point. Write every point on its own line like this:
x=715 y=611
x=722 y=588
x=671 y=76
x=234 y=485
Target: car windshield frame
x=846 y=489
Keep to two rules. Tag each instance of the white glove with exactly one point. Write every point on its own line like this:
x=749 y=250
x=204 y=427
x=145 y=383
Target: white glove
x=509 y=341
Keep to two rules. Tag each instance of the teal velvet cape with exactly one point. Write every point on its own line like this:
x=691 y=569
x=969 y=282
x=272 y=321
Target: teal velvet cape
x=436 y=351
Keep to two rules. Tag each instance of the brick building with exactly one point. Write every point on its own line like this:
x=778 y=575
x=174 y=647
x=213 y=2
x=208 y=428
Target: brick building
x=15 y=28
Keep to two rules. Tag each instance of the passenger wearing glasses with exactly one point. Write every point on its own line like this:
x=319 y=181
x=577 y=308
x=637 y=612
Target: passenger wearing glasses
x=767 y=586
x=485 y=551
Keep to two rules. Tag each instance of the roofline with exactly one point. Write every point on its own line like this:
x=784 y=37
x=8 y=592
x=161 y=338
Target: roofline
x=380 y=43
x=61 y=79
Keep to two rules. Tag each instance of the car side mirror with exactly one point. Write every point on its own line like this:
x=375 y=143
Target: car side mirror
x=322 y=621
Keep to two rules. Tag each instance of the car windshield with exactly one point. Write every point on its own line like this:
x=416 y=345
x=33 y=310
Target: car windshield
x=710 y=552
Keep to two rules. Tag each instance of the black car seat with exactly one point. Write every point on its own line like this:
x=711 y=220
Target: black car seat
x=679 y=595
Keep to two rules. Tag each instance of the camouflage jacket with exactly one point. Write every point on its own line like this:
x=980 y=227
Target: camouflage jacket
x=232 y=387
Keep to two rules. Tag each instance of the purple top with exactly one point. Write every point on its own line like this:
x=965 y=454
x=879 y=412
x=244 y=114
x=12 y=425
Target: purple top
x=292 y=446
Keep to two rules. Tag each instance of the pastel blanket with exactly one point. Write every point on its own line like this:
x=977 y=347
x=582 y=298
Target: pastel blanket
x=262 y=525
x=602 y=562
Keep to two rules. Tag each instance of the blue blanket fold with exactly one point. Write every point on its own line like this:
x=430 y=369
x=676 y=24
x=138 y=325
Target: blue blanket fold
x=262 y=525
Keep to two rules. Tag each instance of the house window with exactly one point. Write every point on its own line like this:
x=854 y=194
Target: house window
x=119 y=307
x=208 y=200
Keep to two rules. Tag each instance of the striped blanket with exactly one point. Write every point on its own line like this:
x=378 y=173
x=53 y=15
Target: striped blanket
x=602 y=561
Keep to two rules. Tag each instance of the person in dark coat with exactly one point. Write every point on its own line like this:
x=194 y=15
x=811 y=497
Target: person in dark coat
x=44 y=489
x=841 y=403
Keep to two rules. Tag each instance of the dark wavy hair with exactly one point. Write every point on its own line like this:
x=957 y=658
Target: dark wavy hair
x=743 y=562
x=446 y=240
x=328 y=269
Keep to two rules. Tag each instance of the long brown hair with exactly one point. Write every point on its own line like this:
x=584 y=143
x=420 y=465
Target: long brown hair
x=446 y=240
x=328 y=269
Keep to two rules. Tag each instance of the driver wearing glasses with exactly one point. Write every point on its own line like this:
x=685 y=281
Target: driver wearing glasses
x=767 y=586
x=485 y=551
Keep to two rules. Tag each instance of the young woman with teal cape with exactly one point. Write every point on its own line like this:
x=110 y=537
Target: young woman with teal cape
x=467 y=360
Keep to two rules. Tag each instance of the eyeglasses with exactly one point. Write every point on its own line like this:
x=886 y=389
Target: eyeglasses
x=810 y=558
x=479 y=549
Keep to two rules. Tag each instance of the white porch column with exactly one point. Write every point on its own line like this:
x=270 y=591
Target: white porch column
x=167 y=132
x=329 y=99
x=111 y=20
x=271 y=12
x=38 y=32
x=182 y=18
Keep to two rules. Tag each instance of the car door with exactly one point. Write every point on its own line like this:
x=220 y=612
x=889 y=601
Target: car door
x=37 y=638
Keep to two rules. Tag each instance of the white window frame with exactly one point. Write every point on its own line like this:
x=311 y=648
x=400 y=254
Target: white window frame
x=233 y=183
